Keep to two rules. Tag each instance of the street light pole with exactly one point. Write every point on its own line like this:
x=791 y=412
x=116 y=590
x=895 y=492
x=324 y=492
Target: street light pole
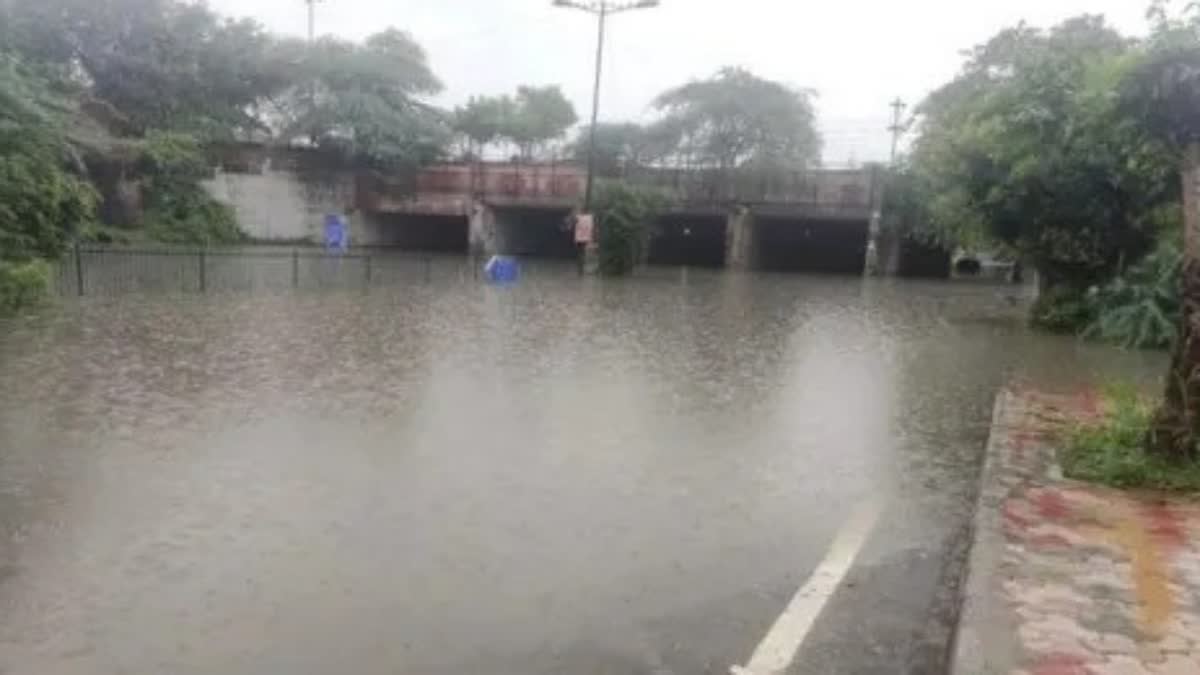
x=312 y=19
x=591 y=163
x=602 y=9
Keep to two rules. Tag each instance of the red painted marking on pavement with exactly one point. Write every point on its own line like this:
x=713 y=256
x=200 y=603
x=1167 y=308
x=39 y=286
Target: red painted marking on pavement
x=1050 y=541
x=1165 y=526
x=1015 y=518
x=1051 y=504
x=1061 y=664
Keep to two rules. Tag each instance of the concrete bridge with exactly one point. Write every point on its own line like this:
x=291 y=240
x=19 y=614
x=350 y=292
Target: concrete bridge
x=799 y=221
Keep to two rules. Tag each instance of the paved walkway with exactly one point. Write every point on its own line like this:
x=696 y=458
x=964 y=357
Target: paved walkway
x=1073 y=579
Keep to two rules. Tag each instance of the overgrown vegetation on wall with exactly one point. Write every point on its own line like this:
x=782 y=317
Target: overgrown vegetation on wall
x=41 y=199
x=177 y=209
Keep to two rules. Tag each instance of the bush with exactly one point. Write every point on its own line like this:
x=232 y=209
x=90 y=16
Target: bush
x=178 y=210
x=1140 y=308
x=39 y=202
x=188 y=215
x=1110 y=449
x=625 y=218
x=23 y=285
x=1062 y=309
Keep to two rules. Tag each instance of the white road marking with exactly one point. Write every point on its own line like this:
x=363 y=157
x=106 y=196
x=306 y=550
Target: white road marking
x=778 y=649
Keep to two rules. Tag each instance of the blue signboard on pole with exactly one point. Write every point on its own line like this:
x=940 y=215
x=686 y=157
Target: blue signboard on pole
x=337 y=234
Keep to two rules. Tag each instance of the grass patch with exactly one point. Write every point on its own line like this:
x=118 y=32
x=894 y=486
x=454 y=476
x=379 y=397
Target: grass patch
x=1109 y=449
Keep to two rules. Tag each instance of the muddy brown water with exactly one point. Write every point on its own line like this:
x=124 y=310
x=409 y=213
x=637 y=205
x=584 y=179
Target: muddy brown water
x=560 y=476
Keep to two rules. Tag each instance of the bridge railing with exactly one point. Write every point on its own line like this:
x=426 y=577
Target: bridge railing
x=563 y=184
x=852 y=189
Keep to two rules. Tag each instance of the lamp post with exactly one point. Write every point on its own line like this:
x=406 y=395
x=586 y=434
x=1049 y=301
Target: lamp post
x=602 y=9
x=312 y=19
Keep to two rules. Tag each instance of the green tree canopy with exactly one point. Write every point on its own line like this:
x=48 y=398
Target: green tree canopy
x=40 y=199
x=159 y=63
x=736 y=119
x=540 y=115
x=484 y=120
x=620 y=146
x=1030 y=146
x=364 y=100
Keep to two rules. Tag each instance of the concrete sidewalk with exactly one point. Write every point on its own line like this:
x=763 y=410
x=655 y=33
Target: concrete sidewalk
x=1067 y=578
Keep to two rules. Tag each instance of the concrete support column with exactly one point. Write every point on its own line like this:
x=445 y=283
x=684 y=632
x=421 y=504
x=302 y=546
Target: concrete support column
x=482 y=234
x=740 y=240
x=889 y=248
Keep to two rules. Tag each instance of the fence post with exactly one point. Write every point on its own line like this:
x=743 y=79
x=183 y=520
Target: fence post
x=203 y=272
x=367 y=269
x=78 y=269
x=295 y=268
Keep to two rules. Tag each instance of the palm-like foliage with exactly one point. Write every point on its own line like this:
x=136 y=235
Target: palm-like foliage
x=1140 y=309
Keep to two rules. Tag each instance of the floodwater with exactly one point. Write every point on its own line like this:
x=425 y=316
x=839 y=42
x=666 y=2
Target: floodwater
x=560 y=476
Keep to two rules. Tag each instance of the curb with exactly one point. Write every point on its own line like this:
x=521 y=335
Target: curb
x=983 y=617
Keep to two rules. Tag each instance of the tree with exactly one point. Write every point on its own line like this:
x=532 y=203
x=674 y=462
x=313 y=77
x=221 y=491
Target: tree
x=736 y=119
x=41 y=201
x=159 y=63
x=540 y=115
x=363 y=100
x=619 y=147
x=1029 y=147
x=483 y=121
x=1165 y=91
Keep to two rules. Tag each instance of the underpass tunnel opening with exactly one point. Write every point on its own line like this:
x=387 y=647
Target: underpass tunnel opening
x=428 y=233
x=921 y=260
x=536 y=233
x=810 y=245
x=688 y=240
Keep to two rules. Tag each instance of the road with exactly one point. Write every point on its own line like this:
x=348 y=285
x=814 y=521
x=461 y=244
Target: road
x=562 y=476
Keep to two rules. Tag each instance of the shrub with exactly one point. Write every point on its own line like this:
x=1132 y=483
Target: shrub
x=178 y=210
x=1062 y=309
x=625 y=217
x=1110 y=449
x=39 y=202
x=1140 y=308
x=23 y=285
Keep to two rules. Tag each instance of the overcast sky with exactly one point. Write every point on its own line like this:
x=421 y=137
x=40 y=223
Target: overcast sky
x=857 y=54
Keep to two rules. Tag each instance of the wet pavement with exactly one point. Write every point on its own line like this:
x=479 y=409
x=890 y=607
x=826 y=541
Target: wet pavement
x=562 y=476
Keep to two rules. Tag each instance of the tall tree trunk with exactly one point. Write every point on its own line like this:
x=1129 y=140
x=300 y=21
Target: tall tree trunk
x=1176 y=427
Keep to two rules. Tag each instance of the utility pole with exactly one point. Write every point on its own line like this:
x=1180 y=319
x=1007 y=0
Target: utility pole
x=602 y=9
x=897 y=128
x=873 y=265
x=312 y=19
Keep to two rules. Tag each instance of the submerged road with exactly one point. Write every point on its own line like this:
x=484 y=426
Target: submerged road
x=684 y=474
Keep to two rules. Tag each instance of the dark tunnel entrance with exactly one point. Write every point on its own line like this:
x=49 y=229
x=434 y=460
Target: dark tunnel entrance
x=438 y=234
x=536 y=233
x=803 y=245
x=919 y=260
x=689 y=240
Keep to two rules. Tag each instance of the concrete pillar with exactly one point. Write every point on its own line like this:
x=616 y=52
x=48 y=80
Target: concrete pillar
x=483 y=236
x=740 y=240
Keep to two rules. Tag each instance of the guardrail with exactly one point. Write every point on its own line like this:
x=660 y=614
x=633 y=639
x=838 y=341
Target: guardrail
x=104 y=270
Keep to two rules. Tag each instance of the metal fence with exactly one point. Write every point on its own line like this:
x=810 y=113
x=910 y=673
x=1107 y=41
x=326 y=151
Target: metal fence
x=106 y=270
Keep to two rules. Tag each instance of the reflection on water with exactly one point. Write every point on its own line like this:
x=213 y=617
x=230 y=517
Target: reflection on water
x=437 y=475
